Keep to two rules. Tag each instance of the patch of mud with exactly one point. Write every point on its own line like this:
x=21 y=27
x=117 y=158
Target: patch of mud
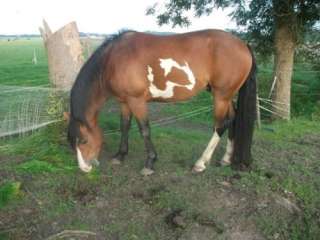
x=5 y=174
x=149 y=195
x=198 y=232
x=309 y=140
x=82 y=192
x=230 y=213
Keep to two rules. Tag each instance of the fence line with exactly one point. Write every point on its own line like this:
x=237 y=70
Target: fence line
x=155 y=123
x=270 y=111
x=164 y=121
x=278 y=108
x=27 y=129
x=268 y=70
x=159 y=122
x=272 y=101
x=41 y=87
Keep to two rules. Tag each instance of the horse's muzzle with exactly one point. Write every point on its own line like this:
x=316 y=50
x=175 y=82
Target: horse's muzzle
x=84 y=165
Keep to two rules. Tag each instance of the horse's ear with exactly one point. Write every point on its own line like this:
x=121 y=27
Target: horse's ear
x=66 y=116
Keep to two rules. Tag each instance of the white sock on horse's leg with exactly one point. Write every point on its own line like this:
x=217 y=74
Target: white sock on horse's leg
x=207 y=154
x=226 y=160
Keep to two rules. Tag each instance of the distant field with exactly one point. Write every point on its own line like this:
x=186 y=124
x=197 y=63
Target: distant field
x=16 y=67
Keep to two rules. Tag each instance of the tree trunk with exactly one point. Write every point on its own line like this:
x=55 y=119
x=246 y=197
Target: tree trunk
x=64 y=52
x=285 y=42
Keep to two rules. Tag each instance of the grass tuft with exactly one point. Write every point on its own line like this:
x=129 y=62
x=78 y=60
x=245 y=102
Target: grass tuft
x=8 y=192
x=36 y=166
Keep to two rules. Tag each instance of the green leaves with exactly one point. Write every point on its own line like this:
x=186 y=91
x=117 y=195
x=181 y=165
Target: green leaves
x=257 y=17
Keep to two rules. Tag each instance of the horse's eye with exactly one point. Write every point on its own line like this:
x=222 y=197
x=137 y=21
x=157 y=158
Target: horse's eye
x=82 y=141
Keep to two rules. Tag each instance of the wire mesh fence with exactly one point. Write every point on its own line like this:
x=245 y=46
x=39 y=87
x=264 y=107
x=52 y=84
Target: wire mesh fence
x=24 y=109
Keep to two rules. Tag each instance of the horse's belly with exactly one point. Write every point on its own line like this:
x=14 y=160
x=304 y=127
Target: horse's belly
x=174 y=95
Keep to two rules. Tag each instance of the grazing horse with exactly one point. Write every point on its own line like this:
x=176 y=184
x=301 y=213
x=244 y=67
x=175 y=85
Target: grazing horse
x=136 y=68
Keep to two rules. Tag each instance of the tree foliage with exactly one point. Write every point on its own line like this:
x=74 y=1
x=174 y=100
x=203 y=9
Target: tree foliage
x=257 y=17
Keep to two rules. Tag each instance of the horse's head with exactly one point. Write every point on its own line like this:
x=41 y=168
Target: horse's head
x=86 y=140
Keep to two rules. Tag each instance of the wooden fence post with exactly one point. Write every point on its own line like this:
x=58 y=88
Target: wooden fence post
x=65 y=56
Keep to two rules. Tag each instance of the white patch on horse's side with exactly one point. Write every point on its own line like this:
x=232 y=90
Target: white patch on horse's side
x=207 y=154
x=167 y=65
x=156 y=92
x=82 y=163
x=226 y=160
x=150 y=75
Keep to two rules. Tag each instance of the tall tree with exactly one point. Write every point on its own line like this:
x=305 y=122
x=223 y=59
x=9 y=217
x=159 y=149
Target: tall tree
x=273 y=26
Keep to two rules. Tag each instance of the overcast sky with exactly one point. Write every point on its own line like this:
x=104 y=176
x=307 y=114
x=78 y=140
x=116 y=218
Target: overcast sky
x=101 y=16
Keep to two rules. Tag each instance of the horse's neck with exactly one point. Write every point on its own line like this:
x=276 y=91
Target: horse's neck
x=98 y=98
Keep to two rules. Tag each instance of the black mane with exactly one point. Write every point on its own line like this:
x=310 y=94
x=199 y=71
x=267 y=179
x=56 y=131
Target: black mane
x=89 y=74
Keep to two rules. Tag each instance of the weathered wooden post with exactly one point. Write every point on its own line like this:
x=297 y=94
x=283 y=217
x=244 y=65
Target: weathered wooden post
x=65 y=56
x=34 y=59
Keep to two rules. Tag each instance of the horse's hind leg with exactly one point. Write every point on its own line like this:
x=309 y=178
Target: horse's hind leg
x=226 y=160
x=125 y=123
x=139 y=110
x=221 y=110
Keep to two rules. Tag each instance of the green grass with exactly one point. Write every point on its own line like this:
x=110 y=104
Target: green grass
x=304 y=89
x=36 y=166
x=293 y=176
x=40 y=144
x=61 y=188
x=46 y=151
x=284 y=130
x=52 y=156
x=9 y=191
x=16 y=67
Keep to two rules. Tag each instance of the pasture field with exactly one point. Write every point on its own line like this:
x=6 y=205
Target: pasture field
x=16 y=66
x=42 y=192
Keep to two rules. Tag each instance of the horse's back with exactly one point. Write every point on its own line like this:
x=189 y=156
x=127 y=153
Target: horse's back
x=190 y=61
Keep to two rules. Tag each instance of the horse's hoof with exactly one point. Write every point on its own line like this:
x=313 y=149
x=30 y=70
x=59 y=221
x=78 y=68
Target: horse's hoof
x=95 y=162
x=224 y=163
x=86 y=169
x=146 y=172
x=115 y=161
x=198 y=169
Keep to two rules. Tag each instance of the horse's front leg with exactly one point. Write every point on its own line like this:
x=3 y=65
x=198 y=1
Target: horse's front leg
x=138 y=107
x=125 y=123
x=144 y=128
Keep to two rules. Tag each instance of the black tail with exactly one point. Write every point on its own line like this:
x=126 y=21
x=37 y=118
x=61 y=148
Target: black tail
x=244 y=120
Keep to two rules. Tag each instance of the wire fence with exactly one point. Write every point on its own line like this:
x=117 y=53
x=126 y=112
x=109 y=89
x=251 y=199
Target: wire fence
x=169 y=120
x=25 y=109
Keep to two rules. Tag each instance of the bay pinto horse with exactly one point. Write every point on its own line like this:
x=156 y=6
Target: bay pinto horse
x=137 y=68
